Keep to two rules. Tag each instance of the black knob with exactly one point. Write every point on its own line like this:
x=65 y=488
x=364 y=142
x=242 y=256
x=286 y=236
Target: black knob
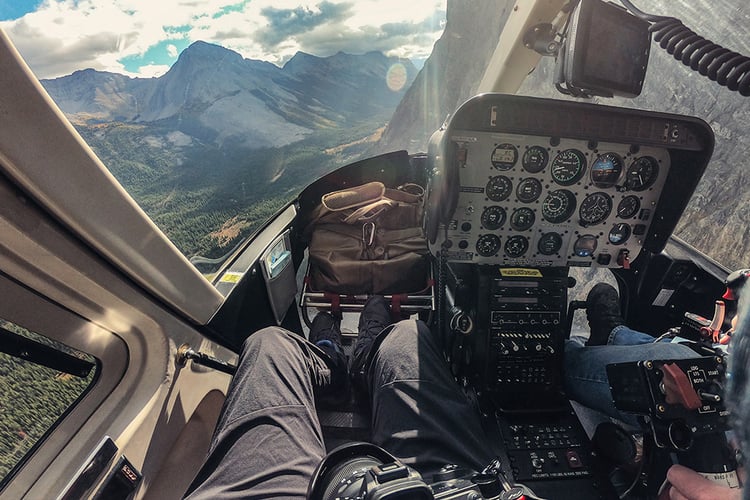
x=489 y=485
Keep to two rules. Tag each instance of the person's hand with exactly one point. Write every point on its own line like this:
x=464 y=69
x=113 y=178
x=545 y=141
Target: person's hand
x=689 y=485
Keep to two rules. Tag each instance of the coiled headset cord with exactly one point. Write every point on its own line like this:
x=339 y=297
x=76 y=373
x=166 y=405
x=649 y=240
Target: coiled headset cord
x=725 y=67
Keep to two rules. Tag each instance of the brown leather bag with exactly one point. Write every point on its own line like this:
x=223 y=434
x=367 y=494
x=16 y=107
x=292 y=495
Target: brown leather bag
x=369 y=240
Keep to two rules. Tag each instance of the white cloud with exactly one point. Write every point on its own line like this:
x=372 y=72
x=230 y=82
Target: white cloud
x=151 y=70
x=66 y=35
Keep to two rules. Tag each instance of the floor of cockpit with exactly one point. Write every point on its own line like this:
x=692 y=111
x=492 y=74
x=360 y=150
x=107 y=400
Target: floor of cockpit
x=348 y=421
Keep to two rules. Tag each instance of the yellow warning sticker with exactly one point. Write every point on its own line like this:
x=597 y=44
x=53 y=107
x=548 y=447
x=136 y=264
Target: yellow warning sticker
x=519 y=272
x=231 y=277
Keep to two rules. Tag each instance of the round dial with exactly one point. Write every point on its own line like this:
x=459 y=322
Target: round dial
x=642 y=173
x=585 y=245
x=515 y=246
x=493 y=217
x=535 y=159
x=528 y=190
x=606 y=170
x=488 y=245
x=558 y=206
x=628 y=207
x=522 y=219
x=498 y=188
x=504 y=156
x=619 y=233
x=595 y=208
x=550 y=243
x=568 y=167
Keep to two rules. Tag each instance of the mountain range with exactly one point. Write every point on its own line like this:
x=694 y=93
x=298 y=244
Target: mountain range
x=199 y=120
x=214 y=95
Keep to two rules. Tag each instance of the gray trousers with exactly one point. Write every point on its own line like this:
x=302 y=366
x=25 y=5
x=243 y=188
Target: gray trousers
x=268 y=440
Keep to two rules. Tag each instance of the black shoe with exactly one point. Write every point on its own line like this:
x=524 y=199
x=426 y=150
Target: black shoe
x=326 y=328
x=374 y=318
x=603 y=312
x=325 y=333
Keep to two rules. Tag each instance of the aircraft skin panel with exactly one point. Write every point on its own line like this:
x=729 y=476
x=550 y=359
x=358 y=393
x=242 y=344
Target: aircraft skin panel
x=507 y=69
x=42 y=152
x=141 y=399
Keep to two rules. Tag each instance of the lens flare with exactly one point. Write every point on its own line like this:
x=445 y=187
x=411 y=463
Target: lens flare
x=395 y=78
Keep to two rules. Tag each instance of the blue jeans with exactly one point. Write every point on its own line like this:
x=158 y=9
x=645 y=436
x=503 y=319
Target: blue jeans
x=585 y=367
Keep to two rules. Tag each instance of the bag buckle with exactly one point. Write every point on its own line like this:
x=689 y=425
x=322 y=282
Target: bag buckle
x=368 y=233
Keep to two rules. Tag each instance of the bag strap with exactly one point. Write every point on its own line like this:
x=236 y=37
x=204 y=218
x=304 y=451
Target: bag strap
x=353 y=197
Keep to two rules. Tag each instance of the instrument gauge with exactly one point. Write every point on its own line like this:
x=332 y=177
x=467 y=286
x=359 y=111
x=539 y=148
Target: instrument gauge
x=619 y=233
x=535 y=159
x=628 y=207
x=493 y=217
x=488 y=245
x=558 y=206
x=550 y=243
x=516 y=246
x=595 y=208
x=606 y=170
x=568 y=167
x=642 y=173
x=504 y=156
x=522 y=219
x=498 y=188
x=528 y=190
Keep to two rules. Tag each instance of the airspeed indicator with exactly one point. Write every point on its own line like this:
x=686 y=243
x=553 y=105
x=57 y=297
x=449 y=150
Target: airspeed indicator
x=568 y=167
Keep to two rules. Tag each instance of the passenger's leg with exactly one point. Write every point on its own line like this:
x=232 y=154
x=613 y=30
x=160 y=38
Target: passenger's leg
x=268 y=439
x=622 y=335
x=420 y=414
x=586 y=375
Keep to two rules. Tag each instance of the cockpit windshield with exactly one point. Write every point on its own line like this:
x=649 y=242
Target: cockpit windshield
x=215 y=115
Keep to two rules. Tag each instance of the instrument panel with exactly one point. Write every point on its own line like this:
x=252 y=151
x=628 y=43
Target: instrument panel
x=518 y=181
x=544 y=201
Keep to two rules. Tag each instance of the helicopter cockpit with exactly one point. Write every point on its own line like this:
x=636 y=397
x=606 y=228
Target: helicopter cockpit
x=491 y=237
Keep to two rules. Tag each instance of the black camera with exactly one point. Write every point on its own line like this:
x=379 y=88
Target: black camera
x=367 y=472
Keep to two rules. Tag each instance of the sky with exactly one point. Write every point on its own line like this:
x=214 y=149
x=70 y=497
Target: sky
x=144 y=37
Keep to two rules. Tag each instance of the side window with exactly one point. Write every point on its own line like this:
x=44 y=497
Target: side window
x=41 y=381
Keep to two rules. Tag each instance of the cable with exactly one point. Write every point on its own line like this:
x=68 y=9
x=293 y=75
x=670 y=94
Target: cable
x=725 y=67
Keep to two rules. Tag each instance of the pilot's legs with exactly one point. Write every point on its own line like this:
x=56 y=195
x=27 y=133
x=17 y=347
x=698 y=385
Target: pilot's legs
x=420 y=414
x=268 y=440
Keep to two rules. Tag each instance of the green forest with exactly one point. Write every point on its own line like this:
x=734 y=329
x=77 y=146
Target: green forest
x=32 y=399
x=207 y=198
